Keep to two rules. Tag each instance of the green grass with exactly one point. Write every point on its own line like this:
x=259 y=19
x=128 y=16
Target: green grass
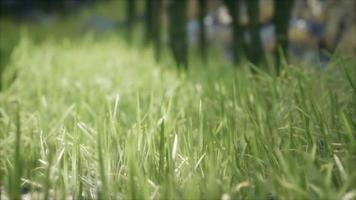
x=92 y=118
x=95 y=119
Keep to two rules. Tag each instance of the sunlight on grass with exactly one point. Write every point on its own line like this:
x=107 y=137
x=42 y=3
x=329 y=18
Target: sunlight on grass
x=95 y=119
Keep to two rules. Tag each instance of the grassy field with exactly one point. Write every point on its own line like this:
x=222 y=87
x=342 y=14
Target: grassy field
x=95 y=119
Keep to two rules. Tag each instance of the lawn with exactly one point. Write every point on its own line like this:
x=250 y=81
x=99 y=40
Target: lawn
x=93 y=118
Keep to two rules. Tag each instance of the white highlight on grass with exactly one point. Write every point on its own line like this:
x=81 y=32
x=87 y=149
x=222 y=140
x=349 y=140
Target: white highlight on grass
x=117 y=99
x=200 y=106
x=162 y=120
x=60 y=155
x=242 y=185
x=175 y=147
x=340 y=167
x=350 y=195
x=225 y=197
x=184 y=160
x=43 y=162
x=87 y=130
x=199 y=161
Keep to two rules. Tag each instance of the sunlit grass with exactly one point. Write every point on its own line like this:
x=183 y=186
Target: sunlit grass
x=96 y=119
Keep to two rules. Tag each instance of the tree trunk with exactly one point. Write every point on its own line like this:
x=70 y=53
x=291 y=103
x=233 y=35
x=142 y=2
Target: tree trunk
x=177 y=32
x=255 y=52
x=154 y=25
x=203 y=9
x=148 y=21
x=130 y=15
x=237 y=31
x=283 y=10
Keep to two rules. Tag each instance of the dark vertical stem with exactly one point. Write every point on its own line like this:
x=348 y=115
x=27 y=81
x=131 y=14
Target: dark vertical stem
x=161 y=148
x=154 y=25
x=79 y=174
x=234 y=10
x=104 y=186
x=203 y=8
x=283 y=10
x=47 y=181
x=148 y=21
x=255 y=53
x=15 y=192
x=2 y=66
x=177 y=32
x=130 y=14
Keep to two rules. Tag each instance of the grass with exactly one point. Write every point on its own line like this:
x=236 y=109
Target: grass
x=95 y=119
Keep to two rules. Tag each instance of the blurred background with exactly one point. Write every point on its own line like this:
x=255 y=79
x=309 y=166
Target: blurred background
x=258 y=31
